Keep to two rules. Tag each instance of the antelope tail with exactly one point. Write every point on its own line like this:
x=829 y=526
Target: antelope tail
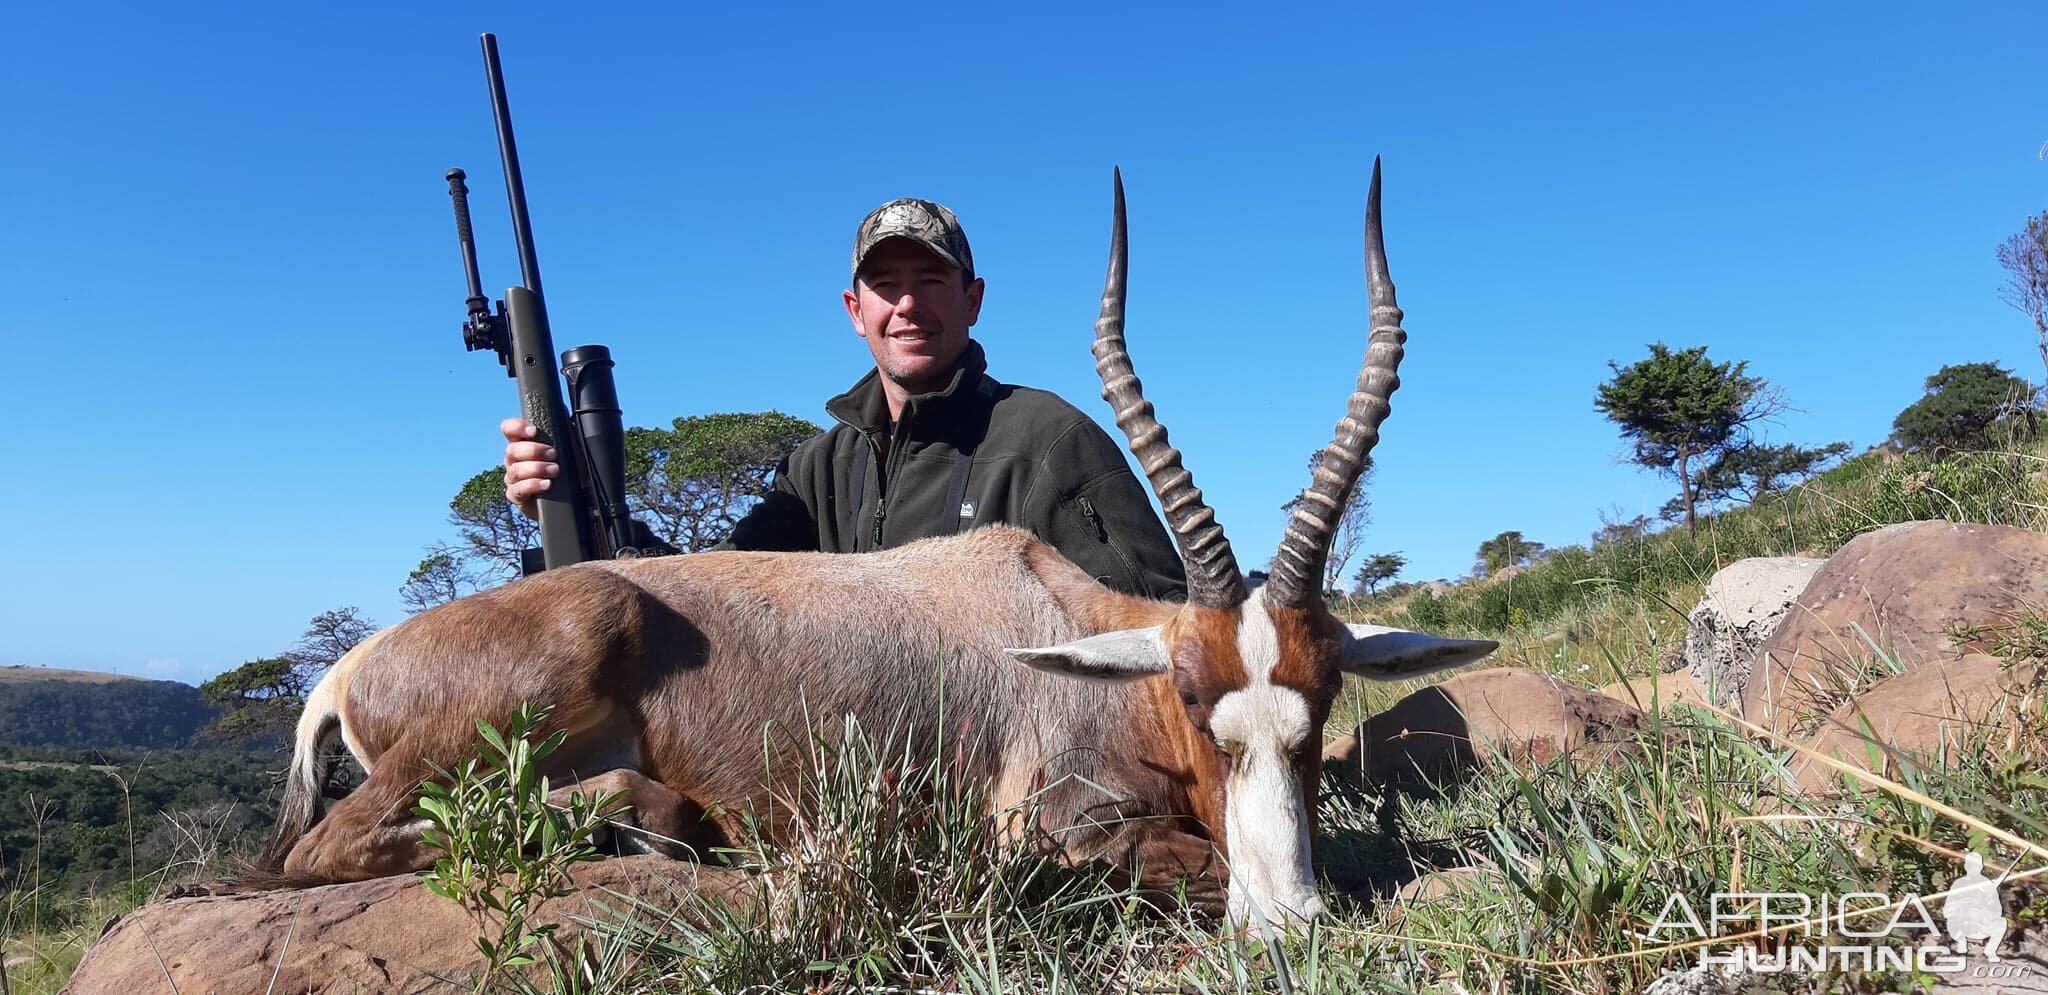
x=301 y=806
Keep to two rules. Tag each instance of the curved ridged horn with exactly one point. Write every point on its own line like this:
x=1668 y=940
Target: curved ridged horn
x=1297 y=580
x=1213 y=580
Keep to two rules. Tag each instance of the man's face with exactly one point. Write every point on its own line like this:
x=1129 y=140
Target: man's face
x=914 y=309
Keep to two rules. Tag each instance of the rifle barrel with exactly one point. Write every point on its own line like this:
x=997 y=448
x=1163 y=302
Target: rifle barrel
x=508 y=153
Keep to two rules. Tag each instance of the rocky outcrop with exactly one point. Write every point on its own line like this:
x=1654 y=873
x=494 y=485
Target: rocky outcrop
x=384 y=935
x=1658 y=691
x=1475 y=718
x=1743 y=604
x=1901 y=590
x=1917 y=715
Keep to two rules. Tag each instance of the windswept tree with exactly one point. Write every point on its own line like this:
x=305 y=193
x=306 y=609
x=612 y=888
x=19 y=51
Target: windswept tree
x=1962 y=408
x=691 y=482
x=441 y=577
x=1680 y=408
x=1616 y=528
x=264 y=696
x=1350 y=530
x=2024 y=256
x=1507 y=549
x=490 y=531
x=1747 y=473
x=1378 y=569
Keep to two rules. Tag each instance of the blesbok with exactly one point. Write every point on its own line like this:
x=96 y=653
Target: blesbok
x=1183 y=740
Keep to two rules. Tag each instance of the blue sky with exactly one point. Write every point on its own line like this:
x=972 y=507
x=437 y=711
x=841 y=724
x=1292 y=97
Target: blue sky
x=230 y=290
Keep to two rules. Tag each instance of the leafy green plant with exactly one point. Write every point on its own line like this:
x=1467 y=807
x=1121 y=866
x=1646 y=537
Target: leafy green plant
x=505 y=849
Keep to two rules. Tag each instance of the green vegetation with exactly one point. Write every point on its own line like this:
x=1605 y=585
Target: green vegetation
x=263 y=697
x=691 y=482
x=1969 y=406
x=1507 y=549
x=505 y=850
x=688 y=483
x=1619 y=603
x=1378 y=569
x=1676 y=407
x=118 y=714
x=82 y=820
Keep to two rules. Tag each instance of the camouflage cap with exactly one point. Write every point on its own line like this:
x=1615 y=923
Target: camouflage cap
x=928 y=224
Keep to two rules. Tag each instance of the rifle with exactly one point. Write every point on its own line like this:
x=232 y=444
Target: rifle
x=588 y=519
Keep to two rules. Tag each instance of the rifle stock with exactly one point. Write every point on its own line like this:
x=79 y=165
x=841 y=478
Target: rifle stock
x=566 y=535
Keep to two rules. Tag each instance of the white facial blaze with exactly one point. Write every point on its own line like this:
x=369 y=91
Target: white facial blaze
x=1265 y=819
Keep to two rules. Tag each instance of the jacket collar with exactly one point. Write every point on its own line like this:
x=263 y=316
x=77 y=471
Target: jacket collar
x=864 y=407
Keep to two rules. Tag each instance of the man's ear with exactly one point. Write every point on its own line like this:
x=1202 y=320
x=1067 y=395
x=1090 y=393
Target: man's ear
x=1385 y=654
x=852 y=299
x=974 y=290
x=1124 y=655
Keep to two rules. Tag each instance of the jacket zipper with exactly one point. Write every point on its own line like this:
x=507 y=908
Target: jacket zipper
x=1088 y=511
x=894 y=462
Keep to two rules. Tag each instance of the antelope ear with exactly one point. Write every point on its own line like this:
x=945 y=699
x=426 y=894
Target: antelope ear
x=1123 y=655
x=1385 y=654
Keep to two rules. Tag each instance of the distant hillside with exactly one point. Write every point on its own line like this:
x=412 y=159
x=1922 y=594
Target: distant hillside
x=16 y=673
x=88 y=710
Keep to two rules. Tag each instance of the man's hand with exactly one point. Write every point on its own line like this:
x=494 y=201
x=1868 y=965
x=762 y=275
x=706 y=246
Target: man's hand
x=530 y=466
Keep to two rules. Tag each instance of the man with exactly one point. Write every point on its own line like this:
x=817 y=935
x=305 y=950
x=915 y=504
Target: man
x=928 y=444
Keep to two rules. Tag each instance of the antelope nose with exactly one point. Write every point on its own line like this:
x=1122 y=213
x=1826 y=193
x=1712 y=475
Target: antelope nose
x=1286 y=915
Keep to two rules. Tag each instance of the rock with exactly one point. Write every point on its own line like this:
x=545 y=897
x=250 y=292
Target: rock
x=1742 y=606
x=1705 y=980
x=2022 y=970
x=1451 y=883
x=1902 y=585
x=1917 y=713
x=1659 y=690
x=1478 y=716
x=385 y=935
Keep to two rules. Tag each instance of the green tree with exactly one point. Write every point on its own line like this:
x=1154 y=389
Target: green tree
x=691 y=482
x=1678 y=407
x=2024 y=256
x=441 y=577
x=1615 y=528
x=264 y=696
x=1748 y=472
x=1962 y=406
x=1378 y=569
x=1507 y=549
x=491 y=531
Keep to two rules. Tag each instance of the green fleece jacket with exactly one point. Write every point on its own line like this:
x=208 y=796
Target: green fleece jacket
x=974 y=453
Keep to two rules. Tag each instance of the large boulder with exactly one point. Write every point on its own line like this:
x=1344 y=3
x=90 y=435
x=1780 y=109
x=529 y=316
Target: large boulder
x=1476 y=717
x=1658 y=691
x=1918 y=714
x=383 y=935
x=1742 y=606
x=1903 y=588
